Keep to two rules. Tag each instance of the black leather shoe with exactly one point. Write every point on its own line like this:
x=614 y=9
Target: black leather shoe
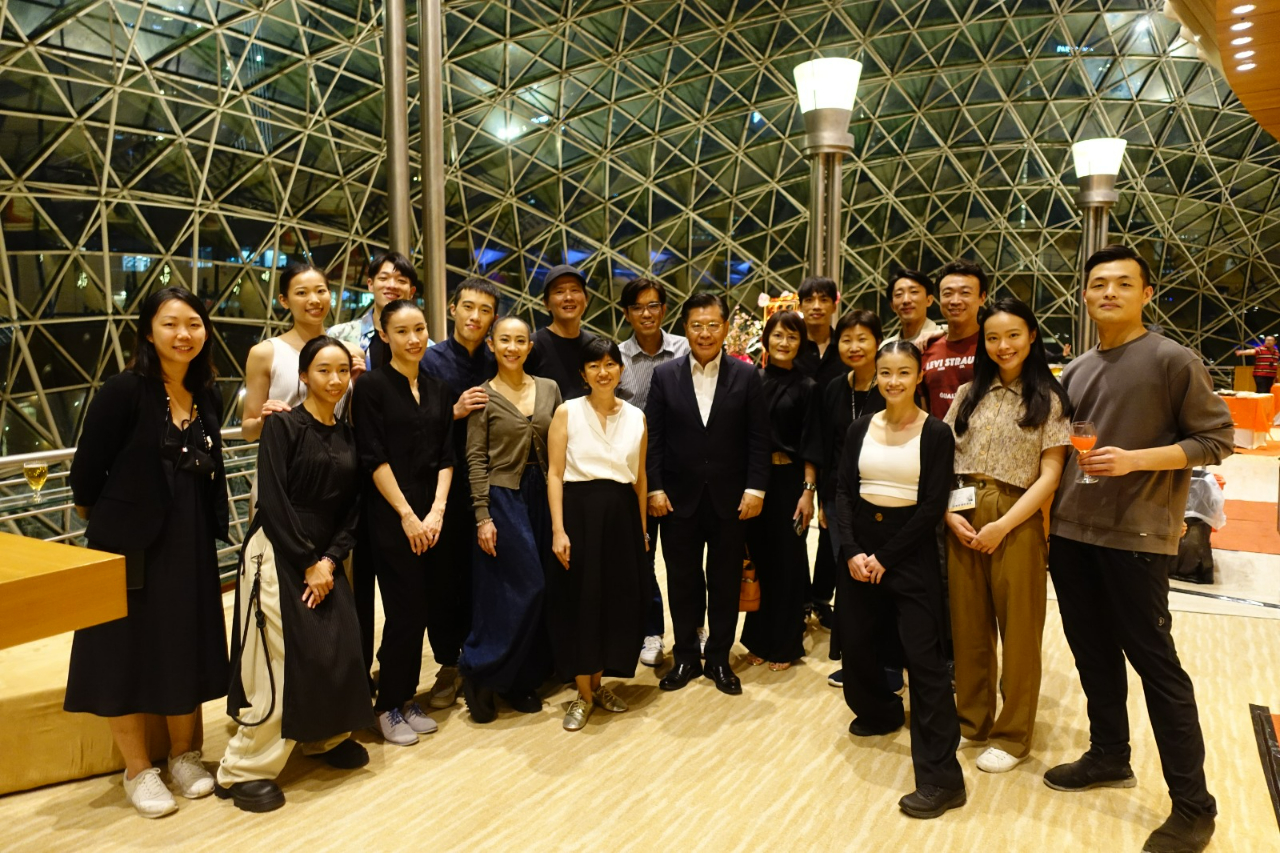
x=726 y=681
x=858 y=728
x=347 y=755
x=680 y=675
x=256 y=795
x=1183 y=832
x=479 y=702
x=931 y=801
x=526 y=702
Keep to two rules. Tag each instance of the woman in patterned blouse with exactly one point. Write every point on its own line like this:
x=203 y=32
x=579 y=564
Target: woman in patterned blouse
x=1012 y=425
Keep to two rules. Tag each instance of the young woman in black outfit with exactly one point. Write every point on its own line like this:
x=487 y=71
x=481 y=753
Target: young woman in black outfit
x=404 y=423
x=845 y=399
x=148 y=476
x=895 y=478
x=298 y=674
x=775 y=632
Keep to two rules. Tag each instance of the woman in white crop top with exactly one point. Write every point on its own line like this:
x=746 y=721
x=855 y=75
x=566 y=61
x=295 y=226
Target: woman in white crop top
x=596 y=488
x=895 y=476
x=271 y=374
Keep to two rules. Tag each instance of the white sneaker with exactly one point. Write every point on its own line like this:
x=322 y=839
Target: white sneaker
x=189 y=775
x=703 y=633
x=996 y=760
x=417 y=720
x=148 y=794
x=394 y=728
x=651 y=654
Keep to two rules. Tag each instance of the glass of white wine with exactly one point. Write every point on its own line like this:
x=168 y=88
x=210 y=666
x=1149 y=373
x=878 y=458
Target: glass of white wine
x=36 y=474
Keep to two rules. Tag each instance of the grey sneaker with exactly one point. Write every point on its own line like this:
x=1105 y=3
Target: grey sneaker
x=577 y=715
x=417 y=720
x=395 y=729
x=189 y=775
x=445 y=691
x=148 y=794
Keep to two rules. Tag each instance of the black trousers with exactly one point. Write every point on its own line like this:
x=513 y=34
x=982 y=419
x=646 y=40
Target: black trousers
x=823 y=585
x=692 y=591
x=911 y=593
x=449 y=577
x=654 y=621
x=775 y=632
x=363 y=582
x=403 y=584
x=1263 y=383
x=1115 y=605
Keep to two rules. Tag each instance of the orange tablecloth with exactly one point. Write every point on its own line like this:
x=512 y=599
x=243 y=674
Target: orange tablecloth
x=1275 y=395
x=1252 y=412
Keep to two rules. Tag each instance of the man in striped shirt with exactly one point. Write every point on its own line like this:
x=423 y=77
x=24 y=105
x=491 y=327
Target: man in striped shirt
x=644 y=302
x=1265 y=359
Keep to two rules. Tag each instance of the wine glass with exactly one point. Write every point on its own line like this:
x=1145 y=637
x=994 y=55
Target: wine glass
x=1083 y=437
x=36 y=474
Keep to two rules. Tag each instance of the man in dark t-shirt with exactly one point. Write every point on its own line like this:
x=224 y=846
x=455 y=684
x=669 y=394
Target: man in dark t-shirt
x=948 y=361
x=556 y=347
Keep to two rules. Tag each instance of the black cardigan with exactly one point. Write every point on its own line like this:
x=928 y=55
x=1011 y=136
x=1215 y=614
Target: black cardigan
x=118 y=471
x=937 y=455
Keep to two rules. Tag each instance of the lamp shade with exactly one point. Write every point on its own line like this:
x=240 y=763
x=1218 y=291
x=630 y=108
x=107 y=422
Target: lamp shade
x=827 y=83
x=1098 y=156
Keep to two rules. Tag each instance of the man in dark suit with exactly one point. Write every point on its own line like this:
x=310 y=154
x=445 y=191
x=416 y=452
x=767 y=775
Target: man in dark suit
x=708 y=465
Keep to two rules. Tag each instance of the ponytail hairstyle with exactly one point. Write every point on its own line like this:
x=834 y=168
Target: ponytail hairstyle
x=1038 y=382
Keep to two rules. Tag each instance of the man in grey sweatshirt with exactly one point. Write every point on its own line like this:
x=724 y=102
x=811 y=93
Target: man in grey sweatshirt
x=1112 y=542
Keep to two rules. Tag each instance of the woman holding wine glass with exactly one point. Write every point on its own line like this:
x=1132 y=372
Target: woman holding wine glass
x=148 y=476
x=1012 y=423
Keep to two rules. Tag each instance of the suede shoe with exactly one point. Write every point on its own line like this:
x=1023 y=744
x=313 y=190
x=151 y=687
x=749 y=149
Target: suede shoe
x=347 y=755
x=1183 y=832
x=256 y=795
x=1092 y=770
x=858 y=728
x=929 y=801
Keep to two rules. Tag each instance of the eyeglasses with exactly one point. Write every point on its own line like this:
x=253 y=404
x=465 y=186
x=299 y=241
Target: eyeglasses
x=650 y=307
x=699 y=328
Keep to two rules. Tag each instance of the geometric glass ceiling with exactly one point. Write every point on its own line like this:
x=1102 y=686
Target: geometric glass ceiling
x=205 y=143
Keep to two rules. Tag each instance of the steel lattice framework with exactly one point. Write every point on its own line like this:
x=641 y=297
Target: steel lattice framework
x=204 y=143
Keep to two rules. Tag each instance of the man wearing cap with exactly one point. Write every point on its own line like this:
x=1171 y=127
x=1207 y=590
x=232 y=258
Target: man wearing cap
x=556 y=347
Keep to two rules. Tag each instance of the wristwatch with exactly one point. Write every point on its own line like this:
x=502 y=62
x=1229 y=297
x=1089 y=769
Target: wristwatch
x=810 y=487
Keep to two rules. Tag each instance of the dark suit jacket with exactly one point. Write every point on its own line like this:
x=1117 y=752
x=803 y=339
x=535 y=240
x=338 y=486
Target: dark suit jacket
x=117 y=469
x=724 y=458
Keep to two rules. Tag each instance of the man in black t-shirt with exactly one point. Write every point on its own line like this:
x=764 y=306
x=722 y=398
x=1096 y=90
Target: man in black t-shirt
x=556 y=347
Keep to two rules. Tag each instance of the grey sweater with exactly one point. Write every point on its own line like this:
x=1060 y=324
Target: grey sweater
x=498 y=439
x=1150 y=392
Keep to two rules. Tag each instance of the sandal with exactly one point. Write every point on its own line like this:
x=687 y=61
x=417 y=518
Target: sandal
x=775 y=666
x=753 y=660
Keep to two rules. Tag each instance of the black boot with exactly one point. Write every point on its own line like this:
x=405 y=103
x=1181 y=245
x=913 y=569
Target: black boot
x=256 y=795
x=1183 y=832
x=479 y=702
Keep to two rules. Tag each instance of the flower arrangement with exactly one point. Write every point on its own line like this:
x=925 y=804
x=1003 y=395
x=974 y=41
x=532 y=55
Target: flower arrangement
x=744 y=336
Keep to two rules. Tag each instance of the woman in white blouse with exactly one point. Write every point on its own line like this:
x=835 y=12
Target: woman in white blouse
x=596 y=489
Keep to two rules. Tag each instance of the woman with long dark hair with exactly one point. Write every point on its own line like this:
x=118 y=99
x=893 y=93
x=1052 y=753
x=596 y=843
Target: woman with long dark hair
x=298 y=675
x=507 y=652
x=895 y=476
x=148 y=476
x=404 y=427
x=596 y=596
x=774 y=634
x=1012 y=426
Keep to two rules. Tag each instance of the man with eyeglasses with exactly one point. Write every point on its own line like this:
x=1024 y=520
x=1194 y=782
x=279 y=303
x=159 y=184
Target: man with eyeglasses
x=708 y=467
x=644 y=303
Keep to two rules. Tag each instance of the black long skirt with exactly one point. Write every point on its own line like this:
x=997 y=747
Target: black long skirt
x=596 y=607
x=169 y=654
x=775 y=632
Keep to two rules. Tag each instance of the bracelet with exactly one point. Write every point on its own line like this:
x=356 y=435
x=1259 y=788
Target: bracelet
x=483 y=522
x=810 y=487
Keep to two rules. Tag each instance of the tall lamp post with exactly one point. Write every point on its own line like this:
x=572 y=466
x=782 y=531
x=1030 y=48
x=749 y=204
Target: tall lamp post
x=827 y=88
x=1097 y=164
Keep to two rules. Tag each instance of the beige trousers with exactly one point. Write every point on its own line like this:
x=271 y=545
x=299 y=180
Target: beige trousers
x=998 y=594
x=259 y=752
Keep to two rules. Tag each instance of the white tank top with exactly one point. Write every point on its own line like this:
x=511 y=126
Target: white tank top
x=889 y=471
x=612 y=453
x=285 y=385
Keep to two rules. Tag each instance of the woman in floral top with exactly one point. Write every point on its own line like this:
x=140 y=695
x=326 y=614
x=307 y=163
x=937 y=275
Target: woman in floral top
x=1012 y=426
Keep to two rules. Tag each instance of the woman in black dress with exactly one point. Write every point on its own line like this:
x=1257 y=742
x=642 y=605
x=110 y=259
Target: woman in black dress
x=845 y=399
x=298 y=675
x=596 y=596
x=404 y=423
x=148 y=476
x=775 y=632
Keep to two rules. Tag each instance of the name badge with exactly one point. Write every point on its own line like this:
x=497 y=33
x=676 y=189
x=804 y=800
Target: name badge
x=962 y=499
